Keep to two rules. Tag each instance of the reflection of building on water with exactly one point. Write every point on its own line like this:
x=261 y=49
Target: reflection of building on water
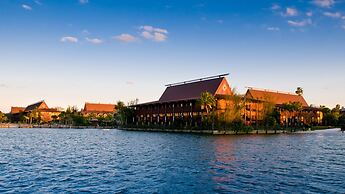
x=179 y=104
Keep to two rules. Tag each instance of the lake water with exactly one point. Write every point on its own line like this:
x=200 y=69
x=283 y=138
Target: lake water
x=94 y=161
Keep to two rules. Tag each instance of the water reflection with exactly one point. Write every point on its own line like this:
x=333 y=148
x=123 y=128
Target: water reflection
x=58 y=161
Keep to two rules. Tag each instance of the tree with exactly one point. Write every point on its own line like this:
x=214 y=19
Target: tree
x=207 y=102
x=336 y=111
x=329 y=119
x=34 y=116
x=290 y=108
x=341 y=120
x=299 y=91
x=232 y=116
x=124 y=113
x=3 y=118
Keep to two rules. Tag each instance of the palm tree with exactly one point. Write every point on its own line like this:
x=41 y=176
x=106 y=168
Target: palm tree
x=3 y=117
x=208 y=102
x=34 y=115
x=299 y=91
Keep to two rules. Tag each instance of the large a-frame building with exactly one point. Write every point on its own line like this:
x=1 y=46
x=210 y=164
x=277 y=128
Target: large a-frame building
x=179 y=102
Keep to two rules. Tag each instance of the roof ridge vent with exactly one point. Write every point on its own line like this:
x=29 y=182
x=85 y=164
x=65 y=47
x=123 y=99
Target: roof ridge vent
x=198 y=80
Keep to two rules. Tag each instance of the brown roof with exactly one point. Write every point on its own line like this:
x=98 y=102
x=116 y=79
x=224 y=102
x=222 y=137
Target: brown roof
x=191 y=91
x=277 y=98
x=38 y=105
x=15 y=110
x=99 y=108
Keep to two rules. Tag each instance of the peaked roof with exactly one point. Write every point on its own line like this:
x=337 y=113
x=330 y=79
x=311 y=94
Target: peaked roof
x=99 y=108
x=191 y=91
x=36 y=105
x=15 y=110
x=277 y=98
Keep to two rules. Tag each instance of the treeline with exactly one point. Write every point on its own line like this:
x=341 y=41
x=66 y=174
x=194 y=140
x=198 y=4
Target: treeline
x=333 y=117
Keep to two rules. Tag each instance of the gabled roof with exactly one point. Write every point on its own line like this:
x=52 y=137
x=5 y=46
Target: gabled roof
x=99 y=108
x=15 y=110
x=191 y=91
x=38 y=105
x=277 y=98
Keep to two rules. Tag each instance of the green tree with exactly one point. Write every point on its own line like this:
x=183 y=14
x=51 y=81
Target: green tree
x=3 y=118
x=124 y=113
x=299 y=91
x=208 y=103
x=34 y=116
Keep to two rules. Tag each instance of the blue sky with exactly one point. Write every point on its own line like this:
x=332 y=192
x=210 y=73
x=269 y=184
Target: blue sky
x=71 y=51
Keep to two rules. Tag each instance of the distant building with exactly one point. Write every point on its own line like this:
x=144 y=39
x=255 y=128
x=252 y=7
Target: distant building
x=179 y=102
x=46 y=114
x=255 y=105
x=16 y=110
x=98 y=109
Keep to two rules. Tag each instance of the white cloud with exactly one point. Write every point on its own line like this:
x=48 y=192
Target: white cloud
x=291 y=11
x=309 y=13
x=94 y=40
x=69 y=39
x=155 y=34
x=333 y=15
x=125 y=38
x=273 y=29
x=301 y=23
x=153 y=29
x=146 y=35
x=27 y=7
x=324 y=3
x=38 y=2
x=83 y=1
x=159 y=37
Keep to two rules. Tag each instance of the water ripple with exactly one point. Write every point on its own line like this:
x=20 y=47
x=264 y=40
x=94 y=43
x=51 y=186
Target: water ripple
x=95 y=161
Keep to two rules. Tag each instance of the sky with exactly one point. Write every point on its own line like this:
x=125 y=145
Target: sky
x=68 y=52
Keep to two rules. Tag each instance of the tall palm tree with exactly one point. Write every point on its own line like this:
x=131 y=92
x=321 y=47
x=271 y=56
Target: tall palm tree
x=208 y=102
x=299 y=91
x=34 y=115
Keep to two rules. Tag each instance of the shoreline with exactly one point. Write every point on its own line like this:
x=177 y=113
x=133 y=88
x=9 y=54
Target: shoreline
x=190 y=131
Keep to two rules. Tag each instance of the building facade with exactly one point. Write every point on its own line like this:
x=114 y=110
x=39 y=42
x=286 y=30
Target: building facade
x=46 y=114
x=180 y=102
x=258 y=100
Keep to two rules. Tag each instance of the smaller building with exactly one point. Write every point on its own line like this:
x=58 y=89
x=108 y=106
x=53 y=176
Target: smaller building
x=258 y=100
x=98 y=109
x=46 y=114
x=16 y=110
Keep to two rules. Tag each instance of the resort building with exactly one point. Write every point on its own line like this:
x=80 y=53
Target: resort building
x=179 y=102
x=258 y=100
x=98 y=109
x=45 y=114
x=16 y=110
